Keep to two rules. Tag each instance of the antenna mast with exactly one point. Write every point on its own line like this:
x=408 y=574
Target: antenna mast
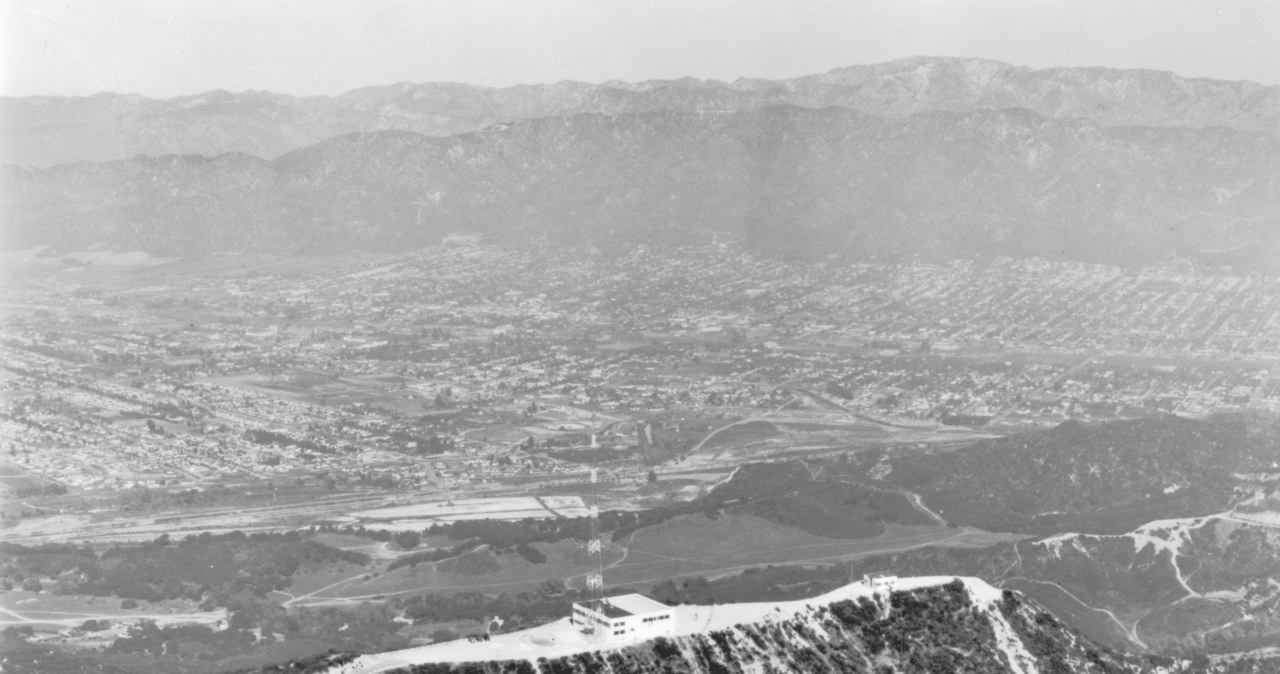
x=595 y=581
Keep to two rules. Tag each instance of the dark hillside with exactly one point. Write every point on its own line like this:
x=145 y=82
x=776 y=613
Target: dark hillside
x=1094 y=478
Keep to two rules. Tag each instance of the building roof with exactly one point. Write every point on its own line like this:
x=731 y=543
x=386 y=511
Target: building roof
x=636 y=604
x=625 y=605
x=608 y=610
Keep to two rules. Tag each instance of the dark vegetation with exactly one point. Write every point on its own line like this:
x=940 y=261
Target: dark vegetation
x=19 y=655
x=787 y=494
x=428 y=556
x=588 y=456
x=769 y=583
x=925 y=628
x=40 y=490
x=749 y=431
x=1097 y=478
x=406 y=540
x=263 y=437
x=225 y=570
x=365 y=628
x=549 y=602
x=784 y=493
x=235 y=571
x=1043 y=636
x=196 y=641
x=837 y=510
x=1260 y=664
x=312 y=665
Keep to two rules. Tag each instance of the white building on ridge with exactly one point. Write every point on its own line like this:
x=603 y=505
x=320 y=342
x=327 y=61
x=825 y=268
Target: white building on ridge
x=625 y=618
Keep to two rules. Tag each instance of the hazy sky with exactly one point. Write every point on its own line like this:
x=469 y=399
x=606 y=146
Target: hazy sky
x=171 y=47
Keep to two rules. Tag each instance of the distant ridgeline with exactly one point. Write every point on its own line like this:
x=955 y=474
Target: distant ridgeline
x=933 y=157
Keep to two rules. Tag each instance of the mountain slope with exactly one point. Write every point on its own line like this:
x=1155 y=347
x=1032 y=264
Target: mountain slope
x=1198 y=584
x=41 y=131
x=787 y=179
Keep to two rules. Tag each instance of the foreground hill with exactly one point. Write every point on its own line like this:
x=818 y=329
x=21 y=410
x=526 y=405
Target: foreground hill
x=1162 y=532
x=41 y=131
x=784 y=179
x=1208 y=584
x=937 y=624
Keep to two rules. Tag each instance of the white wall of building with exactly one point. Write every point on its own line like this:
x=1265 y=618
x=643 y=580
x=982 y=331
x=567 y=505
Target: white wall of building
x=647 y=619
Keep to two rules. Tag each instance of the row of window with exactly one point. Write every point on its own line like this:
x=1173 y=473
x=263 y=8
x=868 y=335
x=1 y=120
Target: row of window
x=665 y=616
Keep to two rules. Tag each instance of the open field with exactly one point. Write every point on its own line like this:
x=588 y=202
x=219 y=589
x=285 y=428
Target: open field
x=695 y=545
x=686 y=546
x=314 y=581
x=318 y=388
x=60 y=612
x=740 y=433
x=480 y=571
x=14 y=479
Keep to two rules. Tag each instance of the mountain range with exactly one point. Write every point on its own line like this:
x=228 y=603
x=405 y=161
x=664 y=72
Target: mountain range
x=783 y=179
x=939 y=157
x=42 y=131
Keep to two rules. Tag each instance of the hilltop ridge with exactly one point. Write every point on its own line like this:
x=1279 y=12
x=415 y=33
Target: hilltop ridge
x=939 y=623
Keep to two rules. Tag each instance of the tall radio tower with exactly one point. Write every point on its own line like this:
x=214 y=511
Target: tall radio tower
x=595 y=581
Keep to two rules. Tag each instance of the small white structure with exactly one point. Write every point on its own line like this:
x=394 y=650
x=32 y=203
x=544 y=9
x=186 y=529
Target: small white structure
x=879 y=581
x=625 y=618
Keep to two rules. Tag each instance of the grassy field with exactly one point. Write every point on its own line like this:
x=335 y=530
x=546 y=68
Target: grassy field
x=742 y=433
x=29 y=603
x=280 y=651
x=14 y=479
x=318 y=388
x=697 y=545
x=686 y=546
x=308 y=582
x=482 y=571
x=343 y=541
x=61 y=611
